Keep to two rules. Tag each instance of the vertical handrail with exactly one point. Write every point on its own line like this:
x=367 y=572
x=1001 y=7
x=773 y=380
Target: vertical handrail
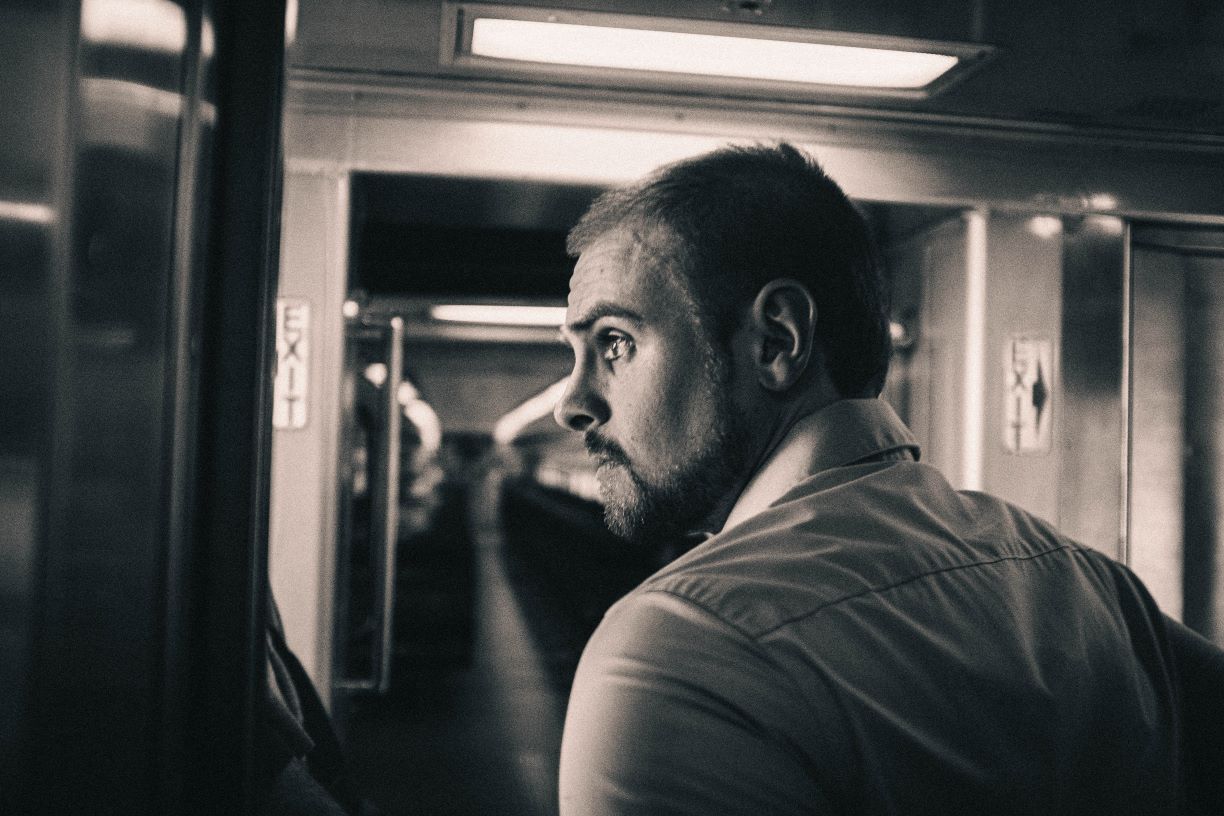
x=390 y=514
x=384 y=510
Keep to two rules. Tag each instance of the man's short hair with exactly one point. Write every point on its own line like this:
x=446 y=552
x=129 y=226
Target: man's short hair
x=735 y=219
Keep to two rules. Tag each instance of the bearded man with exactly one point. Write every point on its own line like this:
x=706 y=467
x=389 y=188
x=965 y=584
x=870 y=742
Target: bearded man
x=855 y=636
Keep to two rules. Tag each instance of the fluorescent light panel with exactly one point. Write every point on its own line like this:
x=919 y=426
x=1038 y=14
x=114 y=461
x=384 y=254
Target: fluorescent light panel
x=149 y=25
x=717 y=55
x=26 y=212
x=499 y=314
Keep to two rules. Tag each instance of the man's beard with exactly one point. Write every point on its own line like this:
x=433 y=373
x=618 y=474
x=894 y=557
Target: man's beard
x=690 y=494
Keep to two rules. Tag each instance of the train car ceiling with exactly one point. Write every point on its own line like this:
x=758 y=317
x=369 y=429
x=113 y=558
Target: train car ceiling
x=1152 y=66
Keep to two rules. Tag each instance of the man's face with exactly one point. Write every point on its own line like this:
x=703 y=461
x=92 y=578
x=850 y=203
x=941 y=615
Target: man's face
x=648 y=392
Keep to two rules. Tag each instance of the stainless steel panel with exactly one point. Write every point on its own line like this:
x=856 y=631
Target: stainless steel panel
x=131 y=619
x=97 y=661
x=1203 y=554
x=1177 y=458
x=35 y=67
x=1093 y=435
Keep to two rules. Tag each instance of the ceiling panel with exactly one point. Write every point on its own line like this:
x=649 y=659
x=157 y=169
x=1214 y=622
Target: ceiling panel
x=1155 y=66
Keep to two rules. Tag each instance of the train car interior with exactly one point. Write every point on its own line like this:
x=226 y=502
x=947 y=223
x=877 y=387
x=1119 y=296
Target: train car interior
x=281 y=291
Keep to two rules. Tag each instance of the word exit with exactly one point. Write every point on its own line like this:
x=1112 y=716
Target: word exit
x=292 y=363
x=1028 y=394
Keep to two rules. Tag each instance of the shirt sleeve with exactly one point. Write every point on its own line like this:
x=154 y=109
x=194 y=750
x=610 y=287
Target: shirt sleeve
x=673 y=711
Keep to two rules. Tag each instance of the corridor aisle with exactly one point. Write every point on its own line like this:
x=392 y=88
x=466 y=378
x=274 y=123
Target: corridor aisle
x=472 y=724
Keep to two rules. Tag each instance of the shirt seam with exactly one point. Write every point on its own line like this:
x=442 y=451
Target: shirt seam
x=876 y=590
x=887 y=453
x=862 y=593
x=744 y=633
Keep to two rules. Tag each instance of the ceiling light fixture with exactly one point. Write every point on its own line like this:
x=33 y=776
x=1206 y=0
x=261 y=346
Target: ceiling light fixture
x=498 y=314
x=656 y=49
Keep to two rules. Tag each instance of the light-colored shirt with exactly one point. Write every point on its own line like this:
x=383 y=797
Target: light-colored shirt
x=863 y=638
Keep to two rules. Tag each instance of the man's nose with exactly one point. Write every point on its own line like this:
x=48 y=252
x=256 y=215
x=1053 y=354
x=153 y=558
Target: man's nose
x=580 y=407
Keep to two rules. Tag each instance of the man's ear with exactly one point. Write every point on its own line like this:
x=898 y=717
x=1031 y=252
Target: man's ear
x=783 y=321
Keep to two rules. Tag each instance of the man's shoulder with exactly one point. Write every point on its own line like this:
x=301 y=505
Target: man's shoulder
x=846 y=535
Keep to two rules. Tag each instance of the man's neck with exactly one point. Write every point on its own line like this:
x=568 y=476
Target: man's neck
x=772 y=432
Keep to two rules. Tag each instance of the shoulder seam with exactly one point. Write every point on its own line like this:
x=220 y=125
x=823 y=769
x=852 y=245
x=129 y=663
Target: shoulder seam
x=914 y=578
x=704 y=608
x=868 y=591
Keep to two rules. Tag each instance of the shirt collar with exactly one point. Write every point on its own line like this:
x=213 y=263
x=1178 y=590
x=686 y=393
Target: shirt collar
x=841 y=433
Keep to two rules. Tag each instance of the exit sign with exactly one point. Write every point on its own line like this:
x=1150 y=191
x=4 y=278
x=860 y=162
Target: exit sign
x=292 y=364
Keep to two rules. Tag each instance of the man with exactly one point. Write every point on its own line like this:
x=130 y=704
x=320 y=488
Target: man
x=857 y=636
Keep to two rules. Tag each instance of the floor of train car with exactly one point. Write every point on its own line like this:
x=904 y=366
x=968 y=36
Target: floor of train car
x=486 y=645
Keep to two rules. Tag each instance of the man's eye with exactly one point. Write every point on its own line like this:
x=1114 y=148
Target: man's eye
x=615 y=346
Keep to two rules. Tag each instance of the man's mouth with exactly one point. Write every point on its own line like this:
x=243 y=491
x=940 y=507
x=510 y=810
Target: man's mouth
x=606 y=453
x=605 y=463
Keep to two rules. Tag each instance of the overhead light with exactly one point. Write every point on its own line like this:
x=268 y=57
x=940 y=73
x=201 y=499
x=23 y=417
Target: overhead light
x=376 y=373
x=26 y=212
x=678 y=52
x=537 y=39
x=901 y=338
x=1045 y=226
x=499 y=314
x=148 y=25
x=1102 y=201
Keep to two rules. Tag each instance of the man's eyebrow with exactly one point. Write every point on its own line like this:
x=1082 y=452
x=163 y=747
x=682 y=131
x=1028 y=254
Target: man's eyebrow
x=601 y=310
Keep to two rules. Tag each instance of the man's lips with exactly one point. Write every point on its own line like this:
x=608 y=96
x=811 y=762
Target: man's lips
x=605 y=452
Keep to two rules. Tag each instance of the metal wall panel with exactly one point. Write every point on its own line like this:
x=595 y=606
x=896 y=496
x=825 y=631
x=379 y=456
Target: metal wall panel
x=36 y=66
x=1178 y=412
x=135 y=250
x=1094 y=426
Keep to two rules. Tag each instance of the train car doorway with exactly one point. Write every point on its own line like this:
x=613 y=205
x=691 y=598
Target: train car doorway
x=1177 y=316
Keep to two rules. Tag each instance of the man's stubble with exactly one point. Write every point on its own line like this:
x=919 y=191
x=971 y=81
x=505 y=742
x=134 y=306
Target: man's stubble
x=686 y=499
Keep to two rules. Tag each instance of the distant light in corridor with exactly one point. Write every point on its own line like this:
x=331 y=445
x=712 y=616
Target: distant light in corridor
x=150 y=25
x=26 y=212
x=1102 y=201
x=679 y=52
x=1106 y=224
x=1045 y=226
x=291 y=21
x=376 y=373
x=901 y=338
x=350 y=309
x=499 y=315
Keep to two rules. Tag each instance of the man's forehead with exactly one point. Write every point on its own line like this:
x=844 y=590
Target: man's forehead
x=620 y=264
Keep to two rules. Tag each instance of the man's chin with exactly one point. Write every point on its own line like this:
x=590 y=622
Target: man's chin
x=618 y=521
x=622 y=513
x=641 y=517
x=632 y=526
